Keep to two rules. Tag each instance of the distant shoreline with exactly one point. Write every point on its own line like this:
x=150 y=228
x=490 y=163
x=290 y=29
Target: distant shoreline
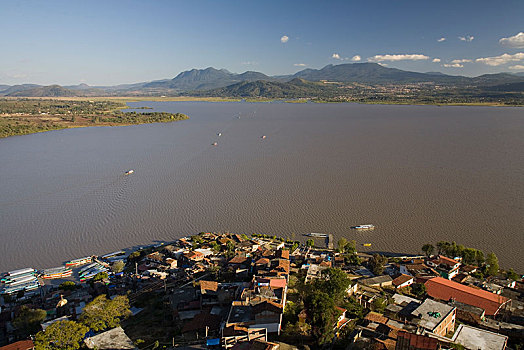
x=25 y=122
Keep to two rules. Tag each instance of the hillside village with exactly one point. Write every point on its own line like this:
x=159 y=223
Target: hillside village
x=231 y=291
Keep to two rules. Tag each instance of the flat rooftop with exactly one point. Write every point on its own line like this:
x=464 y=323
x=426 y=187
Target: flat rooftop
x=476 y=338
x=240 y=314
x=431 y=306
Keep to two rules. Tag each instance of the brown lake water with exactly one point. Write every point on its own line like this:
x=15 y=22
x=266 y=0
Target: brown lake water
x=419 y=173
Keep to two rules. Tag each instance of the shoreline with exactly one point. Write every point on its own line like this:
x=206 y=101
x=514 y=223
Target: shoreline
x=302 y=241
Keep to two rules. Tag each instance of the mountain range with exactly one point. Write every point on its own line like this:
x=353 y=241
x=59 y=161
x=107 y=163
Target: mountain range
x=220 y=82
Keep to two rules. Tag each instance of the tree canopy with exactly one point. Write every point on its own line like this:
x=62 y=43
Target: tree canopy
x=61 y=335
x=28 y=320
x=103 y=313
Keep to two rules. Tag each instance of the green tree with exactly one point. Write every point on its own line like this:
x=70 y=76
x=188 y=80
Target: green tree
x=103 y=313
x=342 y=245
x=351 y=247
x=419 y=290
x=428 y=249
x=67 y=285
x=479 y=257
x=28 y=320
x=118 y=266
x=379 y=304
x=442 y=247
x=335 y=283
x=61 y=335
x=310 y=242
x=377 y=263
x=100 y=276
x=323 y=315
x=244 y=236
x=512 y=275
x=492 y=264
x=469 y=255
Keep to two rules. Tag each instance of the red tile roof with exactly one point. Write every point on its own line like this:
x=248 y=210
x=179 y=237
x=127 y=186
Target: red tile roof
x=443 y=289
x=376 y=317
x=19 y=345
x=238 y=260
x=284 y=254
x=262 y=261
x=407 y=340
x=208 y=285
x=401 y=279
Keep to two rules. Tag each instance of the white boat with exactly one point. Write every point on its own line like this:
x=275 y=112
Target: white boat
x=129 y=172
x=219 y=134
x=215 y=144
x=315 y=234
x=263 y=137
x=364 y=227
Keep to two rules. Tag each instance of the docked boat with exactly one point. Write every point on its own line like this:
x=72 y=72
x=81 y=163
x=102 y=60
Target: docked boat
x=20 y=280
x=129 y=172
x=78 y=262
x=28 y=286
x=363 y=227
x=20 y=272
x=367 y=244
x=57 y=272
x=314 y=234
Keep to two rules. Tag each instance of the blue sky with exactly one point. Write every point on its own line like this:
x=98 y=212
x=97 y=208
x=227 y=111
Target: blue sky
x=115 y=42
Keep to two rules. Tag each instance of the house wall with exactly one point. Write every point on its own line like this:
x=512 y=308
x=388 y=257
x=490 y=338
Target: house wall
x=446 y=325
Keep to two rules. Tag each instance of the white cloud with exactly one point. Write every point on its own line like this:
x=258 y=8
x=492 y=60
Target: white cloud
x=356 y=58
x=441 y=39
x=502 y=59
x=300 y=64
x=409 y=57
x=284 y=39
x=467 y=38
x=517 y=67
x=516 y=41
x=249 y=63
x=335 y=56
x=463 y=60
x=436 y=60
x=453 y=65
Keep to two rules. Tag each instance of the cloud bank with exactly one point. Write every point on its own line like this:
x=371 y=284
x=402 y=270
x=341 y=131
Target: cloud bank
x=300 y=64
x=516 y=41
x=403 y=57
x=284 y=39
x=441 y=39
x=467 y=38
x=335 y=56
x=356 y=58
x=502 y=59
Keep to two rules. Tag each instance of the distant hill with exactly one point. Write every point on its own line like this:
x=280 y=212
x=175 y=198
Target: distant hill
x=295 y=88
x=16 y=88
x=221 y=82
x=45 y=91
x=373 y=73
x=205 y=79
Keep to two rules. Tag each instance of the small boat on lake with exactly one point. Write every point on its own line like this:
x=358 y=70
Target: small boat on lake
x=363 y=227
x=129 y=172
x=214 y=144
x=367 y=244
x=263 y=137
x=219 y=134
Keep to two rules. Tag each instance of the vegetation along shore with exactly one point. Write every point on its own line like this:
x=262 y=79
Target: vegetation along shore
x=26 y=116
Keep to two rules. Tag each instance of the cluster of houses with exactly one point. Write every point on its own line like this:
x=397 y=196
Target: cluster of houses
x=230 y=291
